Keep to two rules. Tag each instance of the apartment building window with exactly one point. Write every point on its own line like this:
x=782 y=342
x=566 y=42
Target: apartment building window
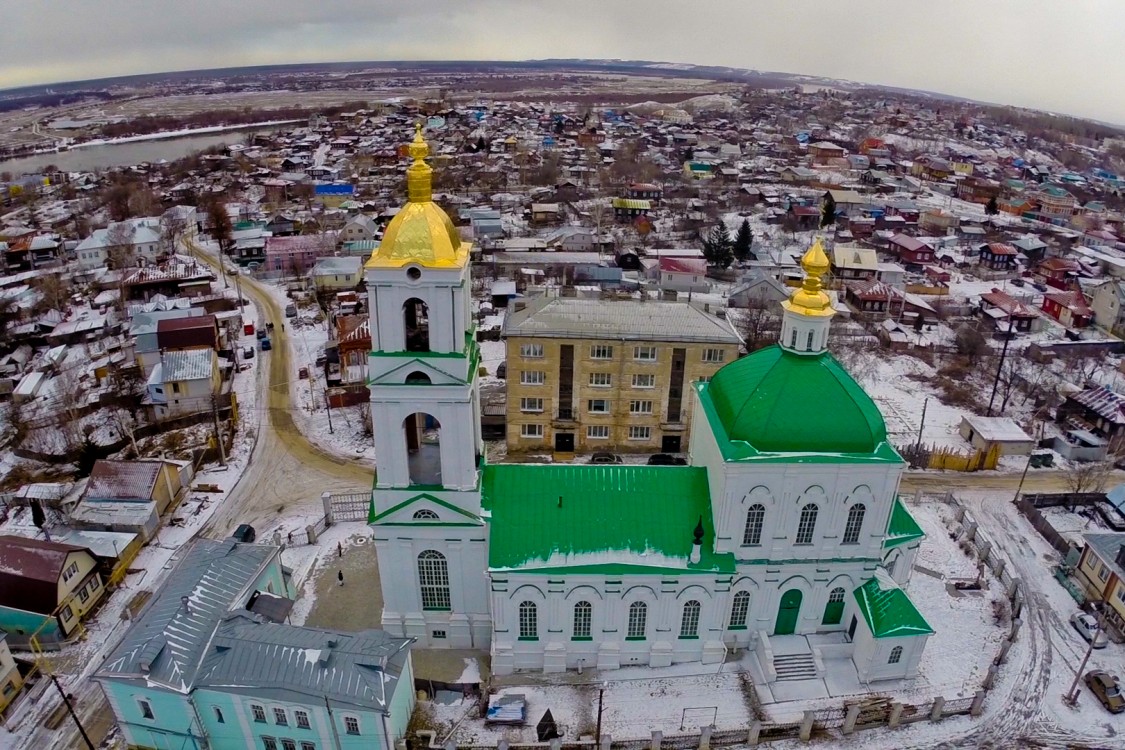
x=302 y=719
x=308 y=746
x=640 y=433
x=269 y=743
x=351 y=724
x=601 y=379
x=288 y=744
x=640 y=407
x=531 y=404
x=598 y=406
x=601 y=351
x=280 y=717
x=531 y=351
x=644 y=381
x=598 y=432
x=531 y=431
x=533 y=377
x=644 y=353
x=713 y=355
x=259 y=713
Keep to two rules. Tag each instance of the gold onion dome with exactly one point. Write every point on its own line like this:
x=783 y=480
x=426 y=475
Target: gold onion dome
x=421 y=232
x=811 y=299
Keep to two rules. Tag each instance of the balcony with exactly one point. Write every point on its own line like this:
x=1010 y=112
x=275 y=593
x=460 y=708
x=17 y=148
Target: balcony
x=678 y=424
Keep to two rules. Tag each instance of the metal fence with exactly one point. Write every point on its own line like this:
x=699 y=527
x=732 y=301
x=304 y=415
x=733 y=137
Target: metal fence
x=351 y=506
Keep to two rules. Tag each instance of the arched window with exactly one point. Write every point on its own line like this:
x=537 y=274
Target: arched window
x=638 y=621
x=808 y=343
x=689 y=621
x=583 y=619
x=433 y=581
x=854 y=524
x=807 y=525
x=739 y=609
x=793 y=339
x=890 y=566
x=896 y=655
x=416 y=325
x=529 y=621
x=418 y=378
x=755 y=517
x=425 y=515
x=834 y=609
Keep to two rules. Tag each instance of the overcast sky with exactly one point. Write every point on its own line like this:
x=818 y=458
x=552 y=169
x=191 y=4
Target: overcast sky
x=1060 y=55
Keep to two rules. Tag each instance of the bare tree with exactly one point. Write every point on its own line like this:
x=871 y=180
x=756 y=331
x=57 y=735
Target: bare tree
x=126 y=424
x=69 y=397
x=173 y=225
x=759 y=323
x=970 y=342
x=55 y=291
x=1088 y=477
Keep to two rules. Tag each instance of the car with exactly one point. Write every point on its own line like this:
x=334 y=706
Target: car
x=605 y=458
x=1087 y=627
x=502 y=370
x=1017 y=282
x=244 y=533
x=1107 y=689
x=248 y=352
x=666 y=459
x=266 y=345
x=290 y=310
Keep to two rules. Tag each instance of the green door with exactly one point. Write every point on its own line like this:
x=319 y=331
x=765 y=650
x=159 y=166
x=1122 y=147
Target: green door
x=788 y=612
x=833 y=612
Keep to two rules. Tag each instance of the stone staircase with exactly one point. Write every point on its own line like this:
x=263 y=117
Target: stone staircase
x=791 y=667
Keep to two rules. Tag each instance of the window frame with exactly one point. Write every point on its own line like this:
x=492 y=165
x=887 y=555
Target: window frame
x=531 y=351
x=597 y=432
x=895 y=656
x=145 y=705
x=582 y=613
x=690 y=615
x=531 y=431
x=288 y=743
x=641 y=406
x=269 y=743
x=853 y=525
x=601 y=351
x=590 y=405
x=637 y=622
x=806 y=525
x=528 y=620
x=525 y=380
x=640 y=432
x=528 y=404
x=713 y=356
x=425 y=514
x=219 y=718
x=759 y=524
x=739 y=611
x=349 y=722
x=650 y=376
x=607 y=377
x=301 y=719
x=258 y=711
x=437 y=590
x=638 y=350
x=280 y=716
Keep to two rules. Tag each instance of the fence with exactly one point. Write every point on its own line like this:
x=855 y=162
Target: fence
x=1027 y=507
x=348 y=506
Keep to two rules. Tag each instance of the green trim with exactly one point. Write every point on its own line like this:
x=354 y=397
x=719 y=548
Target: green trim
x=428 y=498
x=635 y=637
x=607 y=568
x=901 y=528
x=689 y=638
x=810 y=560
x=437 y=609
x=413 y=355
x=737 y=627
x=433 y=524
x=888 y=611
x=528 y=638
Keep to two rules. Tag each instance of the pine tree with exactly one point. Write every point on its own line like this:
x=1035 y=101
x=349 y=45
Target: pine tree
x=481 y=145
x=993 y=207
x=718 y=249
x=743 y=240
x=828 y=211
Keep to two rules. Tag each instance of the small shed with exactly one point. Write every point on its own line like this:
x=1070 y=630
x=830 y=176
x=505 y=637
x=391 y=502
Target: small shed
x=985 y=432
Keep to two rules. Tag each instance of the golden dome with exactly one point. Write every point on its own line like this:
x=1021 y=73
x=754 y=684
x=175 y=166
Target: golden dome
x=811 y=299
x=421 y=232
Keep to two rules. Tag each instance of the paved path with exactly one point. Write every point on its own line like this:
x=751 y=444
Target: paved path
x=356 y=605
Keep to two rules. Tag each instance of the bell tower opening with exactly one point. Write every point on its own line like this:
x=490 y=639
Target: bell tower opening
x=422 y=433
x=416 y=323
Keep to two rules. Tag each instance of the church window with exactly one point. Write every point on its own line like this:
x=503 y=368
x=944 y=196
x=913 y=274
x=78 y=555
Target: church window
x=601 y=351
x=793 y=339
x=529 y=621
x=713 y=355
x=601 y=379
x=638 y=621
x=418 y=378
x=689 y=621
x=531 y=351
x=896 y=655
x=890 y=566
x=755 y=518
x=532 y=377
x=739 y=609
x=808 y=342
x=583 y=619
x=807 y=524
x=531 y=430
x=854 y=523
x=425 y=515
x=433 y=580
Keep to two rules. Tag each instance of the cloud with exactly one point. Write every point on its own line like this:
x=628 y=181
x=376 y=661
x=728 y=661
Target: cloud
x=1036 y=53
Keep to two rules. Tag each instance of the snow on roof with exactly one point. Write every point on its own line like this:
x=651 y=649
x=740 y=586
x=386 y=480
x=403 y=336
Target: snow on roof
x=997 y=429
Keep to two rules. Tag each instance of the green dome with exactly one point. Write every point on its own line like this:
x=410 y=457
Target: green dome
x=780 y=402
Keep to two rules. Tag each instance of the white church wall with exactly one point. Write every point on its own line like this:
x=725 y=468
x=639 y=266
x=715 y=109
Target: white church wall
x=873 y=656
x=442 y=290
x=459 y=443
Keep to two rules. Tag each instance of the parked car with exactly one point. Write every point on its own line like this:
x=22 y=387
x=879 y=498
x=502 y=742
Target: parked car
x=1087 y=627
x=502 y=370
x=248 y=352
x=1017 y=282
x=244 y=533
x=1107 y=689
x=666 y=459
x=261 y=333
x=266 y=345
x=290 y=310
x=605 y=458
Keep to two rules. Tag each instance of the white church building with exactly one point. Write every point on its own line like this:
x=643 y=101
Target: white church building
x=786 y=522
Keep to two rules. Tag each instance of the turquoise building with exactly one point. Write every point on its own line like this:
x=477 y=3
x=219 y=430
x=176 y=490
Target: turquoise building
x=209 y=663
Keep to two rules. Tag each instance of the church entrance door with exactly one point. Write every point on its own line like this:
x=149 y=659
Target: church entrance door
x=788 y=612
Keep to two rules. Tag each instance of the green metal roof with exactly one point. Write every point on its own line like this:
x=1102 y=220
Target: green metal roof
x=887 y=609
x=902 y=527
x=590 y=518
x=633 y=203
x=802 y=407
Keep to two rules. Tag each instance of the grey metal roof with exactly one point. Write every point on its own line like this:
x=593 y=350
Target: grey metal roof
x=283 y=662
x=558 y=317
x=167 y=642
x=187 y=364
x=122 y=480
x=1107 y=547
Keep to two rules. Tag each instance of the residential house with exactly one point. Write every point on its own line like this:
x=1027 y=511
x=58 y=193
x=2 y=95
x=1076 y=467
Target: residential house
x=644 y=191
x=11 y=681
x=337 y=273
x=130 y=496
x=911 y=251
x=978 y=190
x=797 y=174
x=1056 y=205
x=938 y=222
x=1108 y=304
x=209 y=663
x=999 y=256
x=930 y=167
x=1069 y=308
x=758 y=291
x=136 y=238
x=852 y=262
x=281 y=225
x=699 y=170
x=1007 y=313
x=1101 y=572
x=331 y=195
x=804 y=218
x=143 y=328
x=628 y=209
x=184 y=382
x=46 y=589
x=545 y=213
x=848 y=202
x=996 y=433
x=360 y=228
x=353 y=343
x=823 y=152
x=1098 y=409
x=680 y=274
x=1058 y=272
x=296 y=255
x=249 y=249
x=181 y=333
x=578 y=239
x=592 y=375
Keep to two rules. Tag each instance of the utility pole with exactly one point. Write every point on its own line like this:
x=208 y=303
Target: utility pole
x=218 y=434
x=328 y=404
x=1071 y=697
x=1000 y=367
x=70 y=709
x=601 y=696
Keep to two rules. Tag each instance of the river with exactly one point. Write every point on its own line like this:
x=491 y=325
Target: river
x=108 y=155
